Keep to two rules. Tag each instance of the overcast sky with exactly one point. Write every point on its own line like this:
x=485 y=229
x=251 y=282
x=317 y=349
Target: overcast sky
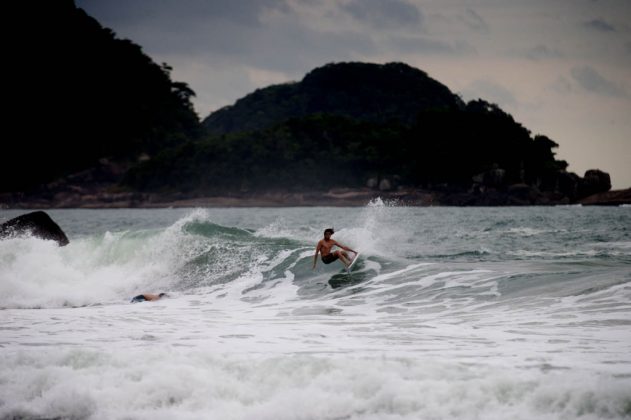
x=561 y=67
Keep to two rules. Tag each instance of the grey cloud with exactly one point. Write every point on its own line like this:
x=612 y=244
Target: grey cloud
x=542 y=52
x=384 y=13
x=224 y=87
x=561 y=85
x=490 y=91
x=600 y=25
x=217 y=33
x=287 y=47
x=590 y=80
x=474 y=21
x=173 y=12
x=425 y=45
x=223 y=37
x=169 y=26
x=291 y=52
x=294 y=48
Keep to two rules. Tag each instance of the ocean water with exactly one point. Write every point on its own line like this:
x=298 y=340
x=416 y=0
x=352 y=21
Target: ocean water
x=451 y=313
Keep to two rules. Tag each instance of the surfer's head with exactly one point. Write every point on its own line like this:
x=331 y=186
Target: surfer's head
x=329 y=231
x=162 y=294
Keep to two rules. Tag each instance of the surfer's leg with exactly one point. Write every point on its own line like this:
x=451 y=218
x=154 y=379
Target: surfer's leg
x=343 y=257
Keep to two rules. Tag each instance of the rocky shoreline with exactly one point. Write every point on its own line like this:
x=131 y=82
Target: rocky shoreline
x=517 y=195
x=609 y=198
x=101 y=187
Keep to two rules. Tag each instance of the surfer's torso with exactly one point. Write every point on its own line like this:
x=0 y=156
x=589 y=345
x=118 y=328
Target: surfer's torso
x=326 y=246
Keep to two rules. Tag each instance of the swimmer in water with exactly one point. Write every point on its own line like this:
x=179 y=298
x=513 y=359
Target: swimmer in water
x=146 y=297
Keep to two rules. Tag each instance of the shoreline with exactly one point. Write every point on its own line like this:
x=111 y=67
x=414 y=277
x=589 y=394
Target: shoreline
x=333 y=198
x=340 y=197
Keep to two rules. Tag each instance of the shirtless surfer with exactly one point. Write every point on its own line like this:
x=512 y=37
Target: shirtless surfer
x=324 y=248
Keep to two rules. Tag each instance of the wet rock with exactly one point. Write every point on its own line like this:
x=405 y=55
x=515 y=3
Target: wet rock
x=38 y=224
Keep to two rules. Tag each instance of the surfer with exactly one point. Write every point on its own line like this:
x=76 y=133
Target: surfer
x=324 y=248
x=147 y=296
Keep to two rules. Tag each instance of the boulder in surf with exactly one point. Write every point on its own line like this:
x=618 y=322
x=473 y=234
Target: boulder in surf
x=38 y=224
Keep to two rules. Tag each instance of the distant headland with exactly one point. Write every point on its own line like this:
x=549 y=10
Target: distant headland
x=116 y=131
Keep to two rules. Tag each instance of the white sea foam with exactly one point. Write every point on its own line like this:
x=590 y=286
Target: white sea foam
x=529 y=231
x=38 y=273
x=251 y=331
x=166 y=383
x=96 y=269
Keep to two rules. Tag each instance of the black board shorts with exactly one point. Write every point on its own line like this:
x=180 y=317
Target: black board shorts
x=139 y=298
x=328 y=259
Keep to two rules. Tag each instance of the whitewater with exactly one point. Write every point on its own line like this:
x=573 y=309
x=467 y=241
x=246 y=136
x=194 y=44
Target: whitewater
x=451 y=313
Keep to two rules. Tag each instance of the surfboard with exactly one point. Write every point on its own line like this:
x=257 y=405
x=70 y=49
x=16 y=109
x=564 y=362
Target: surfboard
x=352 y=262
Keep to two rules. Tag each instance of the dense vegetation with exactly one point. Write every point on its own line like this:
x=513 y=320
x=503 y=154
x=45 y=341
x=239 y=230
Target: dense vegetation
x=368 y=121
x=77 y=94
x=369 y=92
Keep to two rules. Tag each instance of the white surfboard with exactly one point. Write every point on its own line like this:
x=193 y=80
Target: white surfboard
x=352 y=262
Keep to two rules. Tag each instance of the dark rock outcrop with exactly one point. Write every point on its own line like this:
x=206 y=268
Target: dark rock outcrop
x=38 y=224
x=595 y=181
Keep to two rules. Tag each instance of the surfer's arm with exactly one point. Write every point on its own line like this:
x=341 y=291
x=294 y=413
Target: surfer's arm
x=315 y=257
x=345 y=248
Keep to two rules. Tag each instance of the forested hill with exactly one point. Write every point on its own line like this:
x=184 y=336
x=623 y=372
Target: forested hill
x=91 y=117
x=76 y=94
x=363 y=91
x=355 y=125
